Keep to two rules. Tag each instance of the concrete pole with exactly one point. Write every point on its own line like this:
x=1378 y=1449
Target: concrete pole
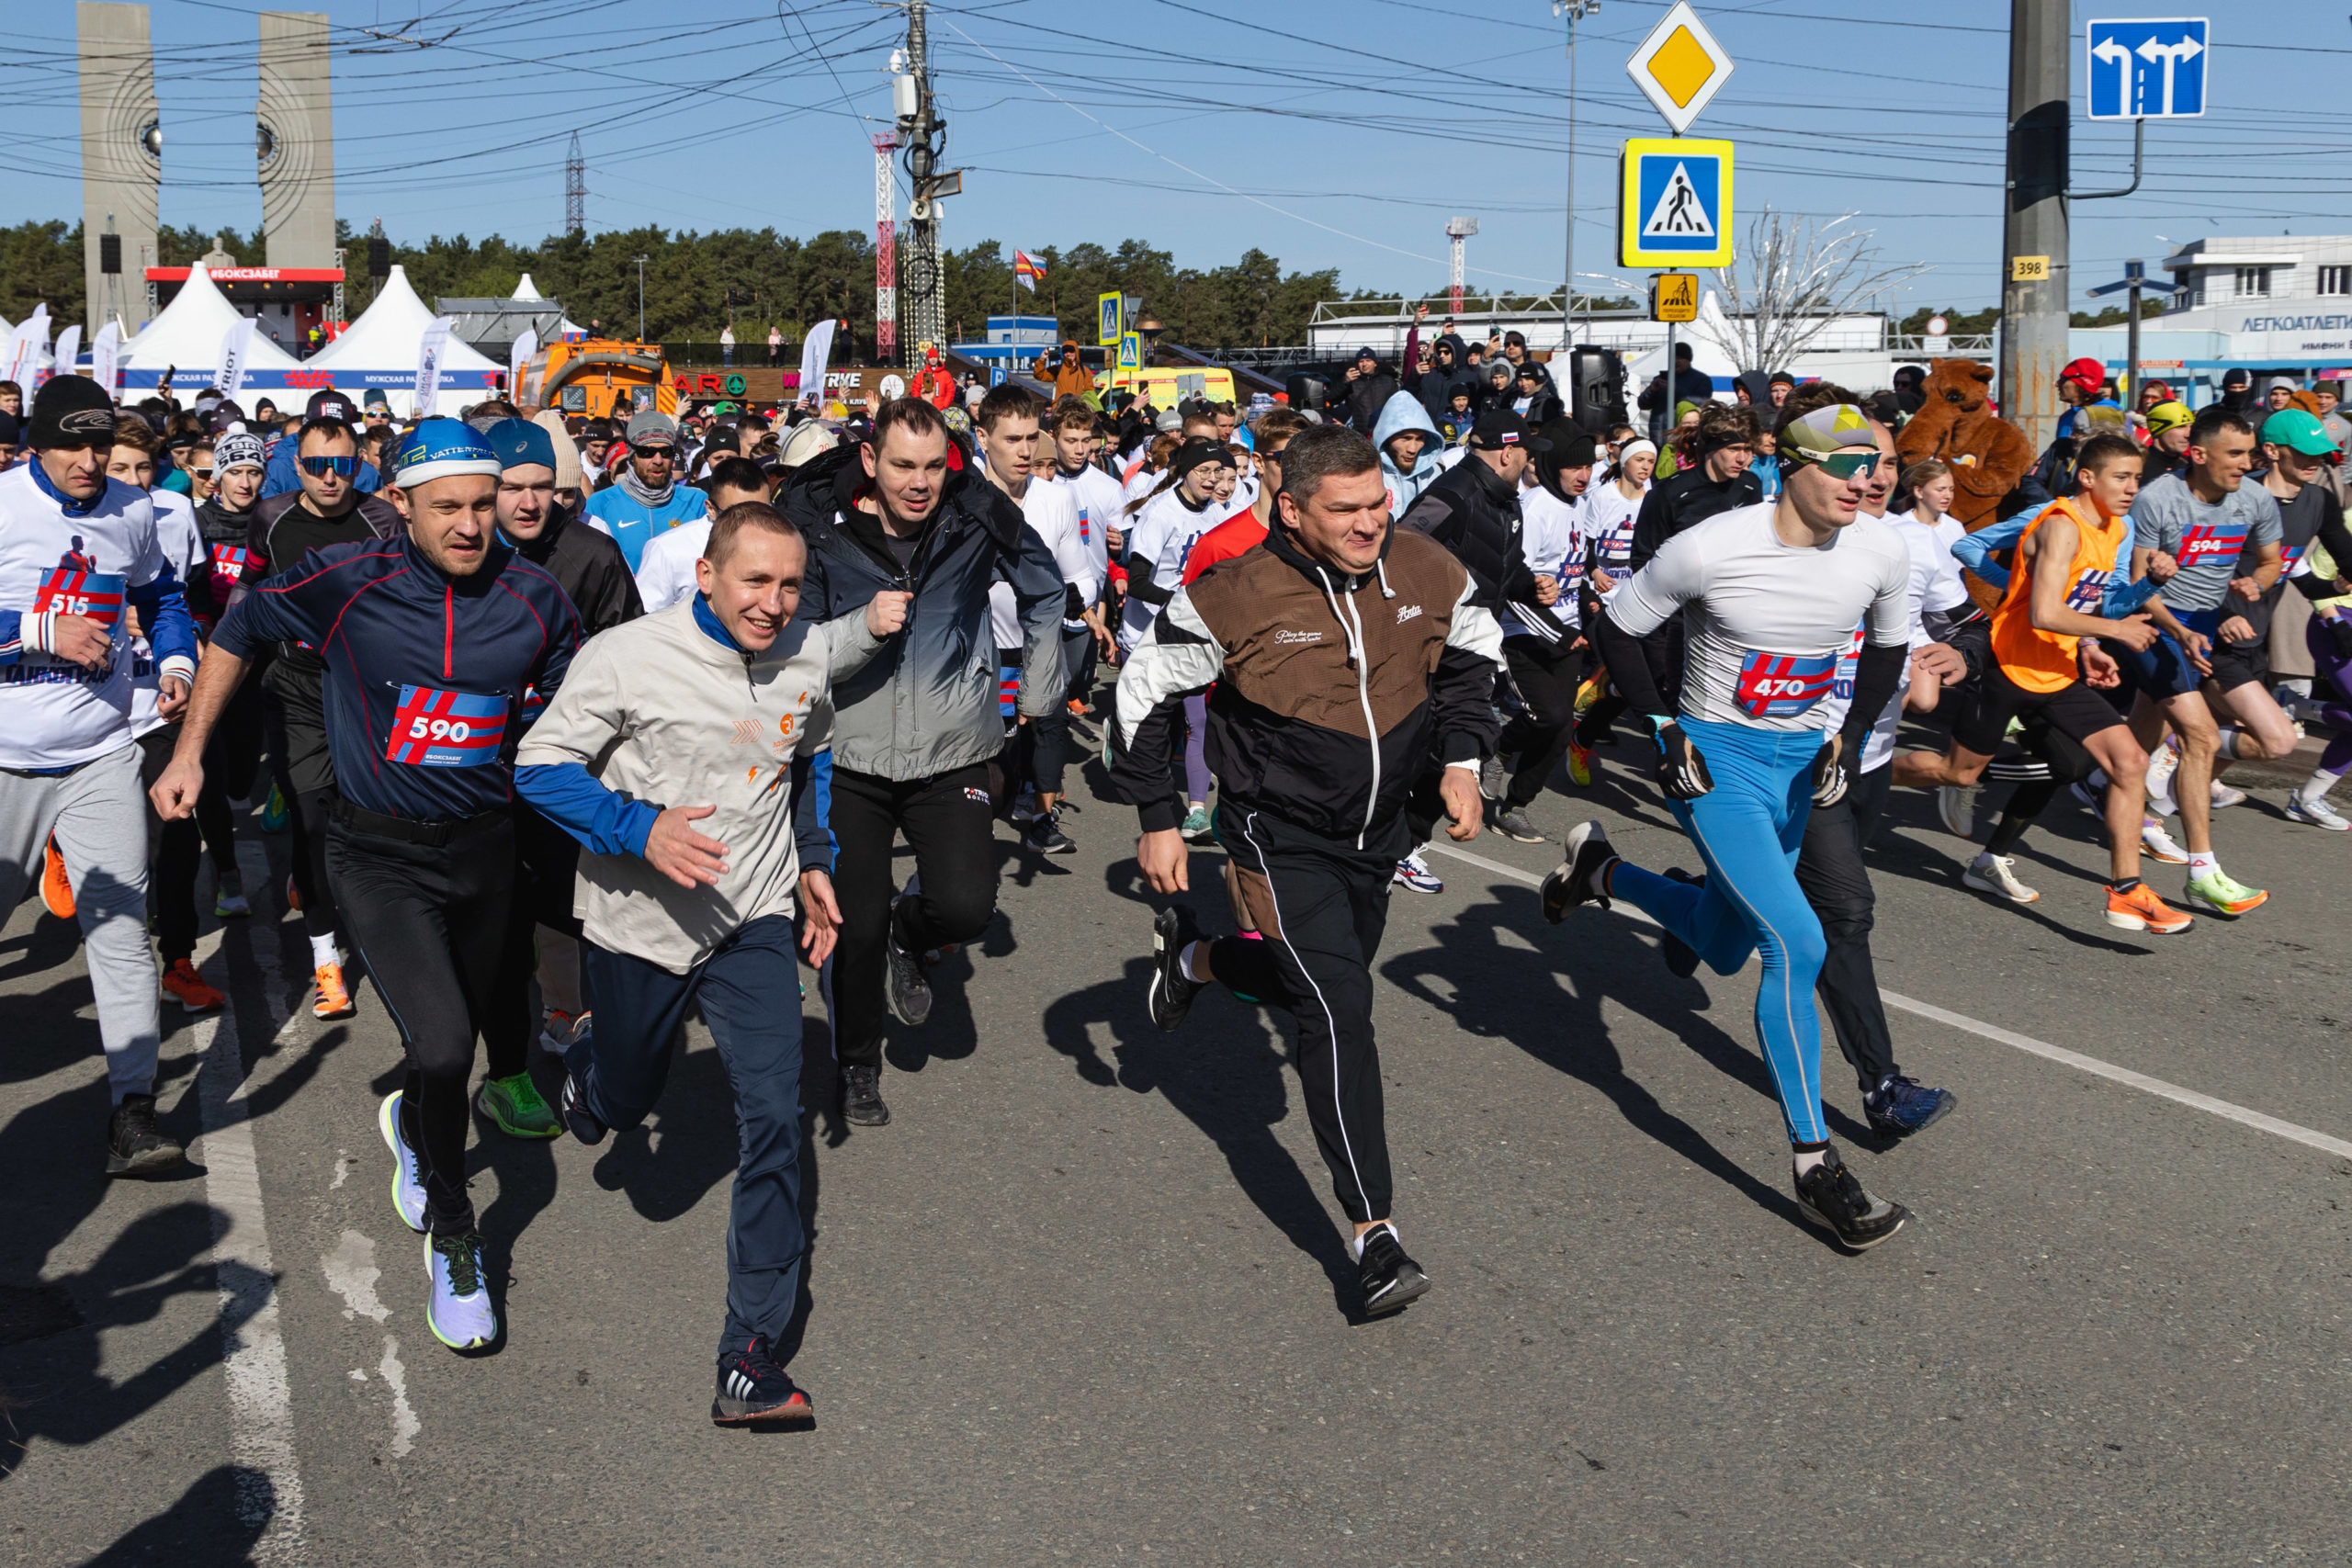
x=2034 y=223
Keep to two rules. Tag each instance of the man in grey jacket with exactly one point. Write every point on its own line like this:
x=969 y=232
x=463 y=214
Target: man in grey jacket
x=689 y=762
x=915 y=730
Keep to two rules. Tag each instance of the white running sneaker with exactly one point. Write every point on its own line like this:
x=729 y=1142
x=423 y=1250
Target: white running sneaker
x=1997 y=875
x=2159 y=845
x=2223 y=796
x=407 y=1176
x=2161 y=768
x=1956 y=804
x=459 y=1310
x=2317 y=813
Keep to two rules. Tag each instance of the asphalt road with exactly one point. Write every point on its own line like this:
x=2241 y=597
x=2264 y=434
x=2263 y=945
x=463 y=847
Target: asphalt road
x=1085 y=1299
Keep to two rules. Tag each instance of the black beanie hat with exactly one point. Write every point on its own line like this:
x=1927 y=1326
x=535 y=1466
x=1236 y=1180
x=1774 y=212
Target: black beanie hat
x=72 y=411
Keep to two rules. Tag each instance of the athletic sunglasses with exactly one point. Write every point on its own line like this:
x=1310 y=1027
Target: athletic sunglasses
x=1840 y=465
x=205 y=474
x=342 y=467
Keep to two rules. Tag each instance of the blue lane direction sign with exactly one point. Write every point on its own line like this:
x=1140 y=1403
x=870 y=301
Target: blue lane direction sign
x=2147 y=69
x=1675 y=203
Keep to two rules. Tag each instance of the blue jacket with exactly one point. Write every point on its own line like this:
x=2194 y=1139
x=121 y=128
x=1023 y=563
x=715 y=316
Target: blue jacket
x=631 y=523
x=1975 y=551
x=425 y=673
x=280 y=475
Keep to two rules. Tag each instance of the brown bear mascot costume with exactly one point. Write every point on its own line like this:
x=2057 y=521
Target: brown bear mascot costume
x=1988 y=453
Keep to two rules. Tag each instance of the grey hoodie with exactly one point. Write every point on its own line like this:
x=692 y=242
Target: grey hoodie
x=1404 y=412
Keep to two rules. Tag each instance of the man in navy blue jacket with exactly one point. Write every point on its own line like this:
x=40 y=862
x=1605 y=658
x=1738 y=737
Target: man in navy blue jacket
x=430 y=642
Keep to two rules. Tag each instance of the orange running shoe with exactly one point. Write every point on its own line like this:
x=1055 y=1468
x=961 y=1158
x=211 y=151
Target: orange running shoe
x=334 y=997
x=1077 y=707
x=2142 y=911
x=293 y=896
x=186 y=986
x=56 y=887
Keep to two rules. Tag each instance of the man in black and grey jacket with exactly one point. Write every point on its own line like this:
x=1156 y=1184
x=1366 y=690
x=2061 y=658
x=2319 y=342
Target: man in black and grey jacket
x=916 y=728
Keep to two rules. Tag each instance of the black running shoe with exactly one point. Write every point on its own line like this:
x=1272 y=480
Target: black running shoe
x=752 y=1387
x=1831 y=1198
x=580 y=1122
x=1899 y=1107
x=133 y=1146
x=861 y=1098
x=1681 y=957
x=1170 y=995
x=1043 y=836
x=909 y=992
x=1580 y=878
x=1390 y=1279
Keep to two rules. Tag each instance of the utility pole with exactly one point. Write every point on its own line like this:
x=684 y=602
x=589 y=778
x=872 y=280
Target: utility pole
x=2034 y=220
x=1575 y=11
x=575 y=191
x=886 y=251
x=923 y=132
x=641 y=298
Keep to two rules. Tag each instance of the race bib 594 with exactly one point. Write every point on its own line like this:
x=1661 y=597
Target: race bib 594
x=2204 y=541
x=433 y=729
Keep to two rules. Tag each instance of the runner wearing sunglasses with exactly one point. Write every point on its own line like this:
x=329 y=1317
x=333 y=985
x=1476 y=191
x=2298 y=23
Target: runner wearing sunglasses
x=283 y=475
x=1768 y=597
x=326 y=511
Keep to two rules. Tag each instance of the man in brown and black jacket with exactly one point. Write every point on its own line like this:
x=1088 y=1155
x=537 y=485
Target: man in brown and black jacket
x=1345 y=653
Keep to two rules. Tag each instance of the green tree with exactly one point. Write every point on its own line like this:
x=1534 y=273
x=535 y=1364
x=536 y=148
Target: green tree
x=42 y=261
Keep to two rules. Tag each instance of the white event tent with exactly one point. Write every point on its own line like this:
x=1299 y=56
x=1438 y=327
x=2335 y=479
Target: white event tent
x=526 y=289
x=185 y=337
x=380 y=349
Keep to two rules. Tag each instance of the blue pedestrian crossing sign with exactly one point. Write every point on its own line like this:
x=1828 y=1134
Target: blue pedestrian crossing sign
x=1673 y=203
x=2149 y=69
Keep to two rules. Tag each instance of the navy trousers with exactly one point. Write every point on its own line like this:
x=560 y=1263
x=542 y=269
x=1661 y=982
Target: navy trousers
x=750 y=993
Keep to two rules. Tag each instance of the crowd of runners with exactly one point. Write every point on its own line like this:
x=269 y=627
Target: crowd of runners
x=574 y=728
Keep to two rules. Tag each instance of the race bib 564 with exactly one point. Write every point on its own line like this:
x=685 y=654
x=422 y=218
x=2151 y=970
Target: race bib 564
x=433 y=729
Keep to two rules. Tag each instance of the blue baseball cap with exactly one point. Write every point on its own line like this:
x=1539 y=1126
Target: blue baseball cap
x=519 y=444
x=437 y=448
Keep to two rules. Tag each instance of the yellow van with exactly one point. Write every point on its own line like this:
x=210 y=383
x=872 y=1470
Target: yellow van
x=1164 y=387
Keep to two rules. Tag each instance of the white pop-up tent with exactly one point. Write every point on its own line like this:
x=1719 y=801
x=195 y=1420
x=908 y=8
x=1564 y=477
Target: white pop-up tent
x=186 y=338
x=526 y=289
x=380 y=349
x=1710 y=337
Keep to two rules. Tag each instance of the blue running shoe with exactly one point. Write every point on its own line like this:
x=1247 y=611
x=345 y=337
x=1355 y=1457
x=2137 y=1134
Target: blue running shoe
x=408 y=1176
x=1899 y=1107
x=577 y=1117
x=752 y=1387
x=459 y=1310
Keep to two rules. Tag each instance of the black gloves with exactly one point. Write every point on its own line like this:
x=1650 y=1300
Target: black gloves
x=2339 y=632
x=1829 y=772
x=1682 y=771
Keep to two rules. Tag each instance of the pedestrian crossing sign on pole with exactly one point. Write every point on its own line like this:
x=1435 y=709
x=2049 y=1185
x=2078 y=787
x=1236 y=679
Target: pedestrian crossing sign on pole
x=1675 y=203
x=1130 y=351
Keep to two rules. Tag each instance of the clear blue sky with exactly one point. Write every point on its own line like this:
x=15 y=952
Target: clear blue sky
x=1353 y=128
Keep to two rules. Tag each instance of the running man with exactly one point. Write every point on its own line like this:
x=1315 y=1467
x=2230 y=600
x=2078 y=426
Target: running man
x=693 y=902
x=1768 y=595
x=1346 y=653
x=644 y=499
x=2046 y=667
x=430 y=642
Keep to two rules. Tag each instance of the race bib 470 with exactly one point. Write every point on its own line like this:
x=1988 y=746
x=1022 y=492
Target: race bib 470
x=433 y=729
x=1782 y=685
x=70 y=591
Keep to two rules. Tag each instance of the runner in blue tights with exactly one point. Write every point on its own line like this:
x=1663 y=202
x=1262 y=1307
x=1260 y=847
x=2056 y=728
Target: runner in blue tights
x=1770 y=597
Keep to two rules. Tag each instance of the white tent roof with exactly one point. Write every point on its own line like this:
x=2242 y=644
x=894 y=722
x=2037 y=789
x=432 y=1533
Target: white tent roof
x=387 y=334
x=188 y=332
x=526 y=289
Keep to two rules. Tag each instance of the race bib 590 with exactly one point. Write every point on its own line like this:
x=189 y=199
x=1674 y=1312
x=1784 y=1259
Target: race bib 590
x=1782 y=685
x=94 y=596
x=433 y=729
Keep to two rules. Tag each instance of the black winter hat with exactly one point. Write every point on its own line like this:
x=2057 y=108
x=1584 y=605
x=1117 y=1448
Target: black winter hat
x=72 y=411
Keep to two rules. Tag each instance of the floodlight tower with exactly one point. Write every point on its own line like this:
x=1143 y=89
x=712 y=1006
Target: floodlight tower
x=1458 y=229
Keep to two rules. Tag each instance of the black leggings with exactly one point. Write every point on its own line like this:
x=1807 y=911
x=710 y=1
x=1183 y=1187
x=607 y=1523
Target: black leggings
x=430 y=924
x=947 y=818
x=2069 y=764
x=175 y=849
x=1838 y=884
x=545 y=861
x=1546 y=676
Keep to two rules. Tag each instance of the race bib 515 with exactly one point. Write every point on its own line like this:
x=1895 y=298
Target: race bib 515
x=433 y=729
x=94 y=596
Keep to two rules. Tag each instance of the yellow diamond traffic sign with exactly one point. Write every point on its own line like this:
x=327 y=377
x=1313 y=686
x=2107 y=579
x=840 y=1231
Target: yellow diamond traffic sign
x=1680 y=67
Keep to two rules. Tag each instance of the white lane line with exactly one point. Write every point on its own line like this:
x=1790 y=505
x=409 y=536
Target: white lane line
x=2228 y=1112
x=252 y=1358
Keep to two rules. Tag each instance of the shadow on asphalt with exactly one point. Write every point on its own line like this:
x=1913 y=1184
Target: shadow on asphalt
x=214 y=1524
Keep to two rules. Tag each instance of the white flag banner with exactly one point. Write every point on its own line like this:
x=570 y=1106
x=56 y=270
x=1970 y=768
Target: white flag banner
x=236 y=358
x=814 y=353
x=106 y=349
x=68 y=348
x=517 y=358
x=428 y=365
x=38 y=322
x=24 y=345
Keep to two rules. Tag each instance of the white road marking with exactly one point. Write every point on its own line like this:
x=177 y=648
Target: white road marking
x=2228 y=1112
x=352 y=1274
x=342 y=1168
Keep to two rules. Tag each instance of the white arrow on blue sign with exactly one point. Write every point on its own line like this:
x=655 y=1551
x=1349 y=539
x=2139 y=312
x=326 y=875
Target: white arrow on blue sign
x=2148 y=69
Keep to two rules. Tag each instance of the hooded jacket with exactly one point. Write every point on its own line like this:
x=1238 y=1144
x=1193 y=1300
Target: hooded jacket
x=1400 y=414
x=1332 y=691
x=927 y=704
x=1474 y=512
x=589 y=567
x=1446 y=372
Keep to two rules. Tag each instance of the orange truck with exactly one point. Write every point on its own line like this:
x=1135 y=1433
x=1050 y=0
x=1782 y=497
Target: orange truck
x=597 y=377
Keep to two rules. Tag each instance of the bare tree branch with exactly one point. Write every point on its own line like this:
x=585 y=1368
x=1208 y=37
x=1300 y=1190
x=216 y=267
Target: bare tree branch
x=1802 y=274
